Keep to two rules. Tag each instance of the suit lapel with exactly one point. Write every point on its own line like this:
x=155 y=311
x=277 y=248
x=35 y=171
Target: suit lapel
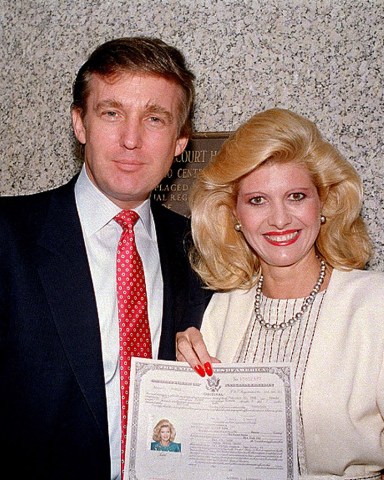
x=175 y=275
x=66 y=278
x=184 y=298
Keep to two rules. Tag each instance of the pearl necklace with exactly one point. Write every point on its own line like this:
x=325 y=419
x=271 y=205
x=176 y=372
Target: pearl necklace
x=299 y=315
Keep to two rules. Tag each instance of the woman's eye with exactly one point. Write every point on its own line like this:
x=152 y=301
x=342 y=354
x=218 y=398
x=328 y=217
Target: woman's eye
x=297 y=196
x=257 y=200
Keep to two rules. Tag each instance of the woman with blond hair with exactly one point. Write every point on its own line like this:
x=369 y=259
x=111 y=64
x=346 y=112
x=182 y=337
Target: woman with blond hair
x=279 y=236
x=164 y=435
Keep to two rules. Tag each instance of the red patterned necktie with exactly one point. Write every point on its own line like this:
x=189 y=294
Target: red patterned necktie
x=135 y=338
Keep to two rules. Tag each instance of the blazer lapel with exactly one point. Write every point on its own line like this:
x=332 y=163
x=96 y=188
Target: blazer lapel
x=175 y=276
x=184 y=298
x=66 y=278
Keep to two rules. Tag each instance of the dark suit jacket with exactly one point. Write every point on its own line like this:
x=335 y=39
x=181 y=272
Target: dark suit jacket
x=53 y=416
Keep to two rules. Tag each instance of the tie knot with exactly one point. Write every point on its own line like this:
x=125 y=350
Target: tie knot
x=126 y=219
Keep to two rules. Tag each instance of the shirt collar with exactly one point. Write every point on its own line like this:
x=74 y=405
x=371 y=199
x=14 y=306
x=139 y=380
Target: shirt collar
x=96 y=210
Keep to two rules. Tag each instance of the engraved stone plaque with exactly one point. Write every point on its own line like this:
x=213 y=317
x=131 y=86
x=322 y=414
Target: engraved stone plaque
x=173 y=191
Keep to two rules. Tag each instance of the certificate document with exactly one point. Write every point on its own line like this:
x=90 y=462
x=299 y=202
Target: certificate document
x=238 y=424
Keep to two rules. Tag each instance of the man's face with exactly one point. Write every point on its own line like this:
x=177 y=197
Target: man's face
x=130 y=132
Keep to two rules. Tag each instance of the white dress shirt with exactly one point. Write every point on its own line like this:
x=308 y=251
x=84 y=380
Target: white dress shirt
x=101 y=235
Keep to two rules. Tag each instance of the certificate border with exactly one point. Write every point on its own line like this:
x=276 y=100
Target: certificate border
x=142 y=367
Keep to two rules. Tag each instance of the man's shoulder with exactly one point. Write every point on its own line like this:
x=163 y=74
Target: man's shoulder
x=28 y=209
x=165 y=214
x=31 y=200
x=19 y=210
x=23 y=200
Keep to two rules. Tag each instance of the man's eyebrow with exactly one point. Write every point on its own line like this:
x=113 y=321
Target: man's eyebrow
x=150 y=108
x=109 y=103
x=156 y=108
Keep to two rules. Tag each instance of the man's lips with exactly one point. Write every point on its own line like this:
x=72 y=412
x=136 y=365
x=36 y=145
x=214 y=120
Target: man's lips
x=129 y=164
x=282 y=238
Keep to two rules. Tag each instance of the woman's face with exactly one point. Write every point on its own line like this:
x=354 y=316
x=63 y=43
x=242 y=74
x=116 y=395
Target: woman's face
x=165 y=434
x=279 y=209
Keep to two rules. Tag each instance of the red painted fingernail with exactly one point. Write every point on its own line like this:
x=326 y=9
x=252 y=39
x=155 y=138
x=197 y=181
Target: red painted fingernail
x=208 y=369
x=200 y=370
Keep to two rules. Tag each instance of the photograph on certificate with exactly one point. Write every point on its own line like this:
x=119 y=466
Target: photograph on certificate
x=237 y=424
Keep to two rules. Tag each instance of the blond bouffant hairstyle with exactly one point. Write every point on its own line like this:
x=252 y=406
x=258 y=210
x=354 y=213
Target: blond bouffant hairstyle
x=159 y=425
x=221 y=255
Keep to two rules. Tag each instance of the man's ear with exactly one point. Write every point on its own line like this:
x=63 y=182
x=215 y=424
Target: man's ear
x=78 y=125
x=181 y=143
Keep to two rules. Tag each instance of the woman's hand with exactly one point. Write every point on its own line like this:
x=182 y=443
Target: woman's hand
x=190 y=347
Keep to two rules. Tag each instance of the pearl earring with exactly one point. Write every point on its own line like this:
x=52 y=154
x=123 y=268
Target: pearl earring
x=237 y=227
x=323 y=219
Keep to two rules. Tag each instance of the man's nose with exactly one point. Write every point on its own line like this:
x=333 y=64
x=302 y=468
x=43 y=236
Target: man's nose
x=131 y=134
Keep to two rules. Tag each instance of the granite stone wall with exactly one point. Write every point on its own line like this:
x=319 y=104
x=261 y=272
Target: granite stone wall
x=320 y=58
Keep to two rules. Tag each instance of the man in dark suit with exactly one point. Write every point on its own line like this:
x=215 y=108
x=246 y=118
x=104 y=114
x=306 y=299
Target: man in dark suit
x=59 y=330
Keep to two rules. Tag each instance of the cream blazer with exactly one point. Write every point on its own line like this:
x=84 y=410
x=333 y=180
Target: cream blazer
x=343 y=391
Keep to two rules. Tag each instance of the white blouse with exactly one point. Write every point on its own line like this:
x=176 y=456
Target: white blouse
x=340 y=369
x=291 y=345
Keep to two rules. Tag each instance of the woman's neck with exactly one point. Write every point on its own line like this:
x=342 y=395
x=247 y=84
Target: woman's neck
x=294 y=281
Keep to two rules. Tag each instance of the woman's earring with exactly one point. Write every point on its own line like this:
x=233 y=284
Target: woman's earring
x=238 y=227
x=323 y=219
